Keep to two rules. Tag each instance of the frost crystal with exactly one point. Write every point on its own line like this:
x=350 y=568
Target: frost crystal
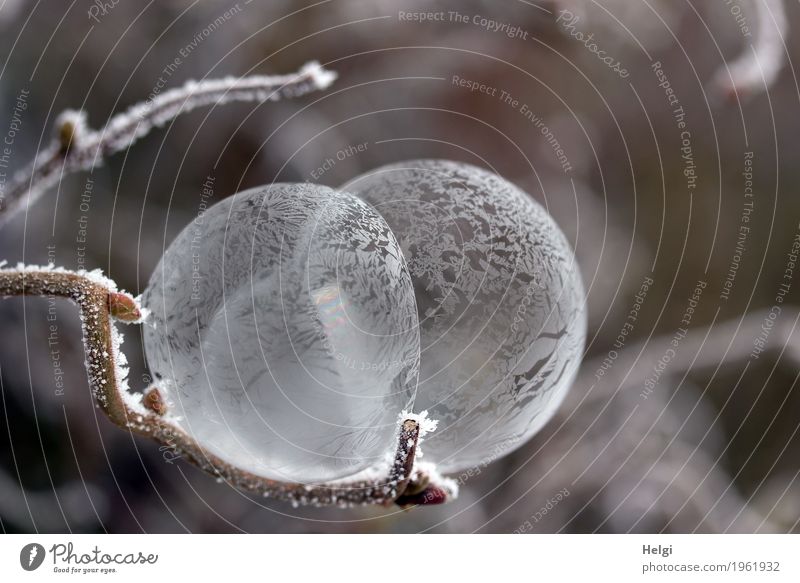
x=77 y=147
x=283 y=333
x=426 y=426
x=500 y=303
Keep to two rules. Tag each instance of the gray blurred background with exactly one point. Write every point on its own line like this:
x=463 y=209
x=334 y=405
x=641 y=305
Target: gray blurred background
x=706 y=441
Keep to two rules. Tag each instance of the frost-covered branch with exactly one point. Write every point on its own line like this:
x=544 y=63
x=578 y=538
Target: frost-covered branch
x=375 y=486
x=101 y=303
x=77 y=147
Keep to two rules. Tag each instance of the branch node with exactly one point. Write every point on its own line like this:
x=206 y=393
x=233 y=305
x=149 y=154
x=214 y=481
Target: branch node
x=154 y=401
x=430 y=495
x=76 y=147
x=123 y=307
x=71 y=128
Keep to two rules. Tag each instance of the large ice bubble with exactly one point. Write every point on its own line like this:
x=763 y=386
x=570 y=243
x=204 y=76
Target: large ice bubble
x=500 y=302
x=283 y=332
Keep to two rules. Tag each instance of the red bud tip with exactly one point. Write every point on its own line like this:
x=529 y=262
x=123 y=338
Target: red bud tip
x=154 y=401
x=122 y=307
x=431 y=495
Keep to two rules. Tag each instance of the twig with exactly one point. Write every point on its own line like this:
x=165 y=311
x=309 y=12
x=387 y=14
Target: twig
x=76 y=147
x=98 y=301
x=100 y=304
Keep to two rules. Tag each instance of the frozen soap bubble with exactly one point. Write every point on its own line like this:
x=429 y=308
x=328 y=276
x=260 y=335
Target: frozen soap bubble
x=283 y=332
x=500 y=304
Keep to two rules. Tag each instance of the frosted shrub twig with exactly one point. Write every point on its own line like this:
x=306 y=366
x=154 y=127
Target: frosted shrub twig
x=101 y=304
x=77 y=147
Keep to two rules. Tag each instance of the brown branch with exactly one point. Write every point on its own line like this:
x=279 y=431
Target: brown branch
x=100 y=304
x=76 y=147
x=383 y=490
x=94 y=299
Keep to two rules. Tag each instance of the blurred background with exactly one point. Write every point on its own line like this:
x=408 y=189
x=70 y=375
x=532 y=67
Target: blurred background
x=661 y=135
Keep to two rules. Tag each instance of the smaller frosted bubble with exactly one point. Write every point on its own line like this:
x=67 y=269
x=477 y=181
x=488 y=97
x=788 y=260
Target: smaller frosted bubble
x=499 y=298
x=283 y=331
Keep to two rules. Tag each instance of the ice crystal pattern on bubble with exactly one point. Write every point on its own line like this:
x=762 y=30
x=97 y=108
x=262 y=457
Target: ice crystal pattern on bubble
x=283 y=332
x=499 y=298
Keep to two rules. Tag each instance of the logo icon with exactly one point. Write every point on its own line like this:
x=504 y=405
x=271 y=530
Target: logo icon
x=31 y=556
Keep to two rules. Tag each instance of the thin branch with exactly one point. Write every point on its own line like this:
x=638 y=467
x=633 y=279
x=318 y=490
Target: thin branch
x=428 y=487
x=101 y=304
x=97 y=299
x=76 y=147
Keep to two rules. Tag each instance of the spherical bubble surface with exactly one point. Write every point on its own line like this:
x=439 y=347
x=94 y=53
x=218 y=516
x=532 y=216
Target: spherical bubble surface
x=283 y=332
x=500 y=303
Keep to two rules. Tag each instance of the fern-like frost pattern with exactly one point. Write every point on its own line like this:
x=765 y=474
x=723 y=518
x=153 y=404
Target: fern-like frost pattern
x=500 y=303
